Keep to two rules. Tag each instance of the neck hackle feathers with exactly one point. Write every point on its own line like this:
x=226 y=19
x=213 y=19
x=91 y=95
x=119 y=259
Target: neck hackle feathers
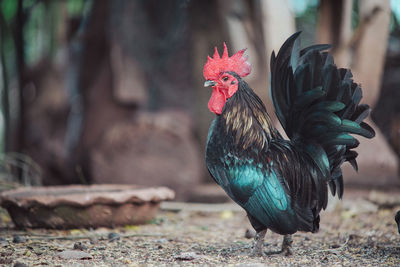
x=236 y=63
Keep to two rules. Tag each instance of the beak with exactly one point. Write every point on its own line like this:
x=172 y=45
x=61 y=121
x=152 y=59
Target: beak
x=209 y=83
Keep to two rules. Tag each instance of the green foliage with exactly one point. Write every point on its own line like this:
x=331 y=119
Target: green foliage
x=9 y=9
x=28 y=3
x=75 y=7
x=395 y=5
x=395 y=18
x=306 y=15
x=355 y=15
x=35 y=34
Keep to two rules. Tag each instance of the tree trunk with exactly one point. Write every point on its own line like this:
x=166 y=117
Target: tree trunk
x=278 y=25
x=18 y=143
x=334 y=27
x=5 y=88
x=206 y=33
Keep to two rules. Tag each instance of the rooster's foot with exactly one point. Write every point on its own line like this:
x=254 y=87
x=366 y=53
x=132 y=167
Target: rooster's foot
x=287 y=245
x=258 y=244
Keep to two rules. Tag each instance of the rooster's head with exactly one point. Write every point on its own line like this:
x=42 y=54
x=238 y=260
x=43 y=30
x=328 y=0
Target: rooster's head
x=220 y=73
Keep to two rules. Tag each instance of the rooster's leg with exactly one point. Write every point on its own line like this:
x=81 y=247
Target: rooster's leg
x=258 y=243
x=287 y=245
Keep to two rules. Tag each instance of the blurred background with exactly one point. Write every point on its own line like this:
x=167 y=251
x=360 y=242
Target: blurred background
x=112 y=91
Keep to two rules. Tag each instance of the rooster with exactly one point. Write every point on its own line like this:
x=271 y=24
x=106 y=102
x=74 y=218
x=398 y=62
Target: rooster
x=283 y=184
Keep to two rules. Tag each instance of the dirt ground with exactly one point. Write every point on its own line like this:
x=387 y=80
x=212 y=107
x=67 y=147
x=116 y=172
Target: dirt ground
x=358 y=231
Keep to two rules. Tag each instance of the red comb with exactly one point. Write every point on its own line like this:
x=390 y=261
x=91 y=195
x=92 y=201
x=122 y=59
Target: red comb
x=236 y=63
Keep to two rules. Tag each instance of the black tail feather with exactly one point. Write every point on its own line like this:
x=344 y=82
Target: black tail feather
x=319 y=107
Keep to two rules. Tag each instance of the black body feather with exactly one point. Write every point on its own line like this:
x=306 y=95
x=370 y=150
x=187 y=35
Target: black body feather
x=283 y=184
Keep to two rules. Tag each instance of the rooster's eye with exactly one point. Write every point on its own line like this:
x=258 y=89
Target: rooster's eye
x=225 y=78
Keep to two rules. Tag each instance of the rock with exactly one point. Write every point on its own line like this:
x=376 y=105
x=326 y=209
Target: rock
x=77 y=206
x=156 y=149
x=74 y=255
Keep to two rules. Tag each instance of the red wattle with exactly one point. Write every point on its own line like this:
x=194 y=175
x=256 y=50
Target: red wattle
x=217 y=101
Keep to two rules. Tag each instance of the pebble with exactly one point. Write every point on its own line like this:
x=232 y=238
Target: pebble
x=80 y=246
x=19 y=239
x=250 y=233
x=3 y=242
x=186 y=256
x=39 y=251
x=94 y=240
x=113 y=236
